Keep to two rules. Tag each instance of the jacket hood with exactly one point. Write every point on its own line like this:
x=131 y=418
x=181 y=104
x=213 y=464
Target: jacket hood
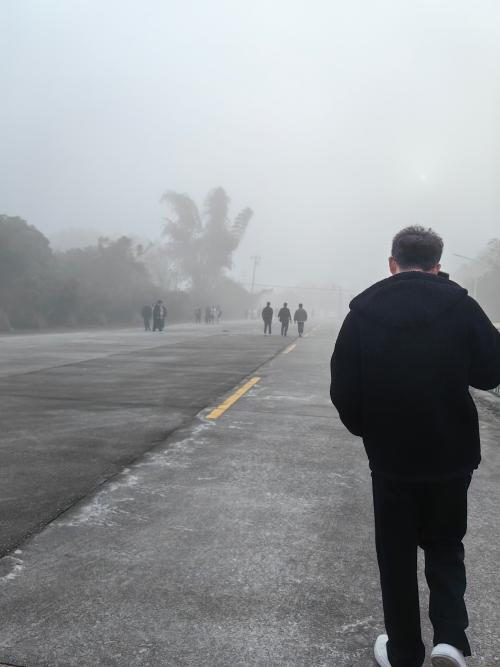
x=408 y=299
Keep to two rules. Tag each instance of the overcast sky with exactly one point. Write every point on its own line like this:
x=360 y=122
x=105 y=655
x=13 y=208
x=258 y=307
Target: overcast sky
x=338 y=122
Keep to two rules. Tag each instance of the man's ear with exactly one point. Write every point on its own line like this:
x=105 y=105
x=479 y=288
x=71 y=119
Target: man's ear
x=393 y=266
x=435 y=269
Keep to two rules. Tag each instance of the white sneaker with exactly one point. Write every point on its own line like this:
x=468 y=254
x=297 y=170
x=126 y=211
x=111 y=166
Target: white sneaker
x=444 y=655
x=380 y=651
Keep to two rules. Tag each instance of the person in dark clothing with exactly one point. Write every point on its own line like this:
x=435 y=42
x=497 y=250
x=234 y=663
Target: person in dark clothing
x=285 y=317
x=159 y=316
x=147 y=314
x=400 y=373
x=300 y=317
x=267 y=316
x=197 y=315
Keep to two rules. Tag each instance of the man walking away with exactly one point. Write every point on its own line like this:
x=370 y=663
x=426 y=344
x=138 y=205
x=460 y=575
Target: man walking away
x=404 y=359
x=159 y=315
x=147 y=314
x=284 y=317
x=267 y=316
x=300 y=317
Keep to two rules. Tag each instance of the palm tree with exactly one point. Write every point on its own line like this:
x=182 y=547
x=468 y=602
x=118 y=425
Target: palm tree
x=202 y=246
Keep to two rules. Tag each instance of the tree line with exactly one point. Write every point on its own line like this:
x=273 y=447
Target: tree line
x=482 y=278
x=100 y=284
x=109 y=282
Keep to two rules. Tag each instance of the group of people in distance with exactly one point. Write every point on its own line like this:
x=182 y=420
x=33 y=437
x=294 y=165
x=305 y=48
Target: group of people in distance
x=285 y=317
x=212 y=314
x=157 y=313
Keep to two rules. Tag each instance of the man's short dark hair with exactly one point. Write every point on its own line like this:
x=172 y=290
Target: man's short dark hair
x=417 y=248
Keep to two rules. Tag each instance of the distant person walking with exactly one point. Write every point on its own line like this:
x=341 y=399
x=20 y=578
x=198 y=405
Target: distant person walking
x=285 y=317
x=267 y=316
x=147 y=314
x=159 y=315
x=197 y=315
x=400 y=373
x=300 y=317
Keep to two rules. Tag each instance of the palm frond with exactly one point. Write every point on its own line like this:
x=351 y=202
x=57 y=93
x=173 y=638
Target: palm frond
x=241 y=223
x=185 y=210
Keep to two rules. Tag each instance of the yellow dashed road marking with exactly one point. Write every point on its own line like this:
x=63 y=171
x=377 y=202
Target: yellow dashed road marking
x=221 y=409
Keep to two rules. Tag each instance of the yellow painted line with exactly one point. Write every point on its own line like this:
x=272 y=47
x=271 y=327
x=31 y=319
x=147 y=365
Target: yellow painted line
x=221 y=409
x=290 y=348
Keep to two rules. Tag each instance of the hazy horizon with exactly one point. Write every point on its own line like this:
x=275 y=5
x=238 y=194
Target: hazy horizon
x=338 y=124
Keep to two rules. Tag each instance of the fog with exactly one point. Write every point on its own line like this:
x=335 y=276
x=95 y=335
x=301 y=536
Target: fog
x=337 y=123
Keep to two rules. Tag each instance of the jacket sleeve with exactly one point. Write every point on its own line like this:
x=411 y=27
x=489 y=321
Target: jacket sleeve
x=345 y=366
x=484 y=339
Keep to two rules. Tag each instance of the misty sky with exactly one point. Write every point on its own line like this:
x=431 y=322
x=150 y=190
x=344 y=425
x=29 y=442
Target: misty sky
x=338 y=122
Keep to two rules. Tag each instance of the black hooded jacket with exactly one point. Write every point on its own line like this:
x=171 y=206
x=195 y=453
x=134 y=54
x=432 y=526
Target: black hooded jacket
x=267 y=314
x=404 y=359
x=284 y=315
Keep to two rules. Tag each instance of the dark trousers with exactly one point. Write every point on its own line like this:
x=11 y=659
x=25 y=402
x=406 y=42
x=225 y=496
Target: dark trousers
x=300 y=326
x=432 y=515
x=147 y=324
x=267 y=325
x=158 y=323
x=284 y=327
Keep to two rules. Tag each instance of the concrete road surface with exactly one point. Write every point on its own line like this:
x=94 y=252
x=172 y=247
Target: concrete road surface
x=242 y=540
x=78 y=407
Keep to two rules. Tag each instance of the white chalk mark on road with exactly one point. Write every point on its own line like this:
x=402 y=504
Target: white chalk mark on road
x=13 y=566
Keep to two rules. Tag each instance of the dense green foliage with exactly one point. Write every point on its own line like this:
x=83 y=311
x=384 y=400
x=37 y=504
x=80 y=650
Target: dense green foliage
x=481 y=277
x=26 y=273
x=101 y=284
x=488 y=282
x=109 y=282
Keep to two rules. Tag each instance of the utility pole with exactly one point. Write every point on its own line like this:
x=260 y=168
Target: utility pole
x=256 y=261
